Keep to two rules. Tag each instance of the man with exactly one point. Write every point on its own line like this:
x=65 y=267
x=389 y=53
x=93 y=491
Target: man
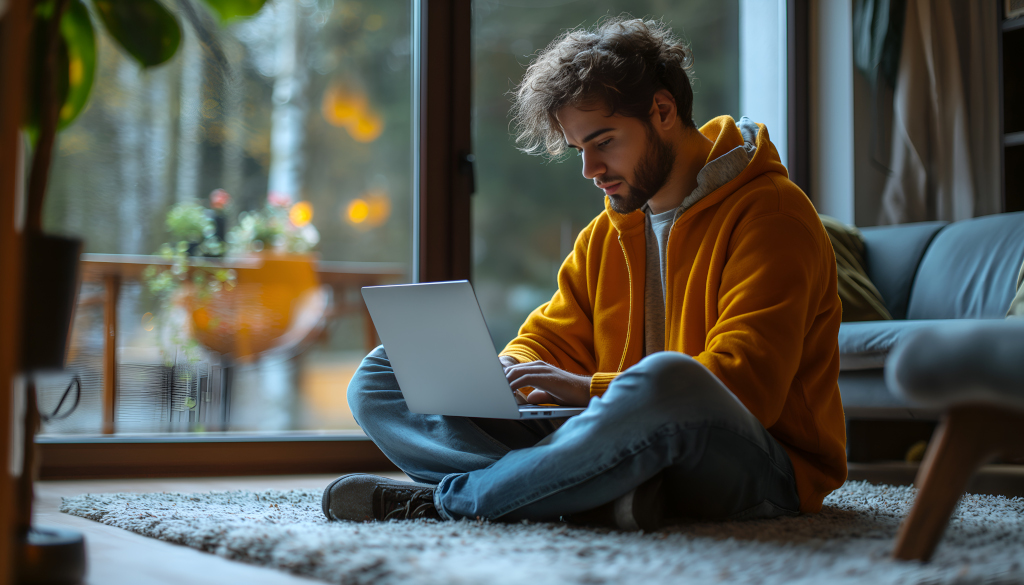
x=697 y=317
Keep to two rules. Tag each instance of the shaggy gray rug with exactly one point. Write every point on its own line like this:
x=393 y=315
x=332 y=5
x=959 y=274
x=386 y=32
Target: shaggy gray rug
x=848 y=542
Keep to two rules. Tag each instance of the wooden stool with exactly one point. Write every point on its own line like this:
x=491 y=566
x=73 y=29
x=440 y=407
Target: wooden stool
x=976 y=372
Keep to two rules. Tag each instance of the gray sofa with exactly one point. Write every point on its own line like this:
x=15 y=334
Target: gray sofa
x=926 y=273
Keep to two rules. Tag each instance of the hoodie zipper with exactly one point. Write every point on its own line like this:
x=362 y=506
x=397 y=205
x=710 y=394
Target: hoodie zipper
x=629 y=322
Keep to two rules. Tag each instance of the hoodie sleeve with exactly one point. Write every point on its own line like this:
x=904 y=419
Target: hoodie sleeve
x=560 y=332
x=772 y=288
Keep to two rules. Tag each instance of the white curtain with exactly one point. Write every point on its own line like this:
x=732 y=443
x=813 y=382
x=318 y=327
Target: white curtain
x=946 y=132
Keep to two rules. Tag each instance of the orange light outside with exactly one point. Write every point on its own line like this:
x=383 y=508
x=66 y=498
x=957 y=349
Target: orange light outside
x=366 y=128
x=351 y=111
x=341 y=107
x=301 y=213
x=380 y=207
x=372 y=209
x=358 y=211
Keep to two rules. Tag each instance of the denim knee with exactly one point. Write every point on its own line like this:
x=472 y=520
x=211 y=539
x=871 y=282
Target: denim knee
x=671 y=381
x=367 y=380
x=669 y=371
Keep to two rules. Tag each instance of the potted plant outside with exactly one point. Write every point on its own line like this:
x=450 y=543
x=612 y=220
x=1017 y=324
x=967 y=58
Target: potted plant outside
x=239 y=305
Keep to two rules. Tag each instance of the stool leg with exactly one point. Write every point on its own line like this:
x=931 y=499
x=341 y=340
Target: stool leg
x=967 y=436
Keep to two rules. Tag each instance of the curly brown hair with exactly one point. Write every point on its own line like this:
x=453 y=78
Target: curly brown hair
x=618 y=64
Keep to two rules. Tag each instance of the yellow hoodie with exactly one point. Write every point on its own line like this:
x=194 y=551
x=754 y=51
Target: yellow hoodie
x=750 y=293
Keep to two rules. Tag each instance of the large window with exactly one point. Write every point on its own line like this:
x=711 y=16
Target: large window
x=527 y=212
x=300 y=115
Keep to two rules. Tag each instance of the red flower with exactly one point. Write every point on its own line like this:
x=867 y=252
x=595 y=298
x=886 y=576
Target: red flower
x=219 y=199
x=279 y=199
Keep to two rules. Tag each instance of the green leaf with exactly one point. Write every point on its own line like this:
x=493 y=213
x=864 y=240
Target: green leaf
x=229 y=9
x=144 y=28
x=80 y=40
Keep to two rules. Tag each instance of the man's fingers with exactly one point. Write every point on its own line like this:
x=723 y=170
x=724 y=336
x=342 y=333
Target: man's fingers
x=531 y=366
x=538 y=377
x=550 y=384
x=528 y=379
x=517 y=371
x=541 y=397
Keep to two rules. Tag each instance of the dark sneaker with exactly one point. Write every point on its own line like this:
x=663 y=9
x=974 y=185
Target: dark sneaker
x=643 y=508
x=361 y=497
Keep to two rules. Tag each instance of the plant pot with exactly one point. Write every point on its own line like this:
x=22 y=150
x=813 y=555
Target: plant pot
x=252 y=317
x=50 y=290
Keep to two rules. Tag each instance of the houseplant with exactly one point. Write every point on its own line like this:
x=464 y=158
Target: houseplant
x=64 y=62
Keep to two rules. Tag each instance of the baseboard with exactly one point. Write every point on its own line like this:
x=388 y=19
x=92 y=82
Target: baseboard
x=996 y=479
x=129 y=458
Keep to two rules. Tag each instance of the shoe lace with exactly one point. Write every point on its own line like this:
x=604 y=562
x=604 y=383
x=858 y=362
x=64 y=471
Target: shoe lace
x=407 y=505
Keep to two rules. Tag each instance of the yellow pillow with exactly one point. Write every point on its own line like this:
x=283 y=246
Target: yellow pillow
x=861 y=300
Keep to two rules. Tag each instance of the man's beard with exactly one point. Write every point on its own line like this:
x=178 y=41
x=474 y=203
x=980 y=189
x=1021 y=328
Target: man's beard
x=651 y=175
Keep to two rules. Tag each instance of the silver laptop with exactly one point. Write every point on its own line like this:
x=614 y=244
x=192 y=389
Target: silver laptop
x=442 y=354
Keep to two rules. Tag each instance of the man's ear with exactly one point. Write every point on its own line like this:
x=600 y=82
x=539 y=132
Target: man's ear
x=664 y=114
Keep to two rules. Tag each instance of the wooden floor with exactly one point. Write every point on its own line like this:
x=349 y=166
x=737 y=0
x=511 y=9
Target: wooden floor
x=117 y=556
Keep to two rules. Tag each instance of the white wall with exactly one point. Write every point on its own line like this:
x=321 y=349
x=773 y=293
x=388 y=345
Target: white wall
x=763 y=72
x=832 y=128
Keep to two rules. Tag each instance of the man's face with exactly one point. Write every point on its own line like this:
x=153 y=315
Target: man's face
x=624 y=156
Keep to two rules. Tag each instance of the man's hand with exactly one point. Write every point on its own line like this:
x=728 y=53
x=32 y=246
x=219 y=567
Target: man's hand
x=551 y=385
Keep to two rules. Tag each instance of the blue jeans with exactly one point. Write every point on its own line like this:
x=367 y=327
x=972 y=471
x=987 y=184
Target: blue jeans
x=667 y=413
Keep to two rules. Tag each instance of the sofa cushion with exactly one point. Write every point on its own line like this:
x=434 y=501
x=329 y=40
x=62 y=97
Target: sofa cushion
x=892 y=253
x=969 y=270
x=866 y=344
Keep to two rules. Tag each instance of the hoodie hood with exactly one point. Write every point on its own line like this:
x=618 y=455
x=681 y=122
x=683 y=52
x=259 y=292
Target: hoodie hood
x=727 y=134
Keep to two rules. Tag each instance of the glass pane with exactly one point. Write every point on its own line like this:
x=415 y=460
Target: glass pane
x=284 y=141
x=527 y=212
